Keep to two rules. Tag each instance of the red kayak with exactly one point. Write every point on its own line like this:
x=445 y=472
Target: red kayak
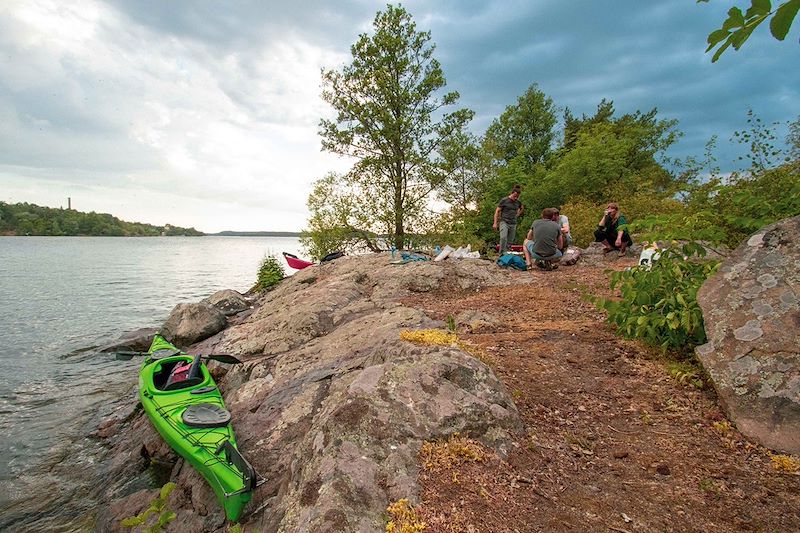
x=295 y=262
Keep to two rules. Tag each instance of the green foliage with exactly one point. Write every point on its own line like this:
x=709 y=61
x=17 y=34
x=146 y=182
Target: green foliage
x=30 y=219
x=386 y=101
x=158 y=509
x=738 y=26
x=337 y=222
x=686 y=373
x=610 y=157
x=524 y=132
x=464 y=166
x=727 y=209
x=659 y=305
x=269 y=273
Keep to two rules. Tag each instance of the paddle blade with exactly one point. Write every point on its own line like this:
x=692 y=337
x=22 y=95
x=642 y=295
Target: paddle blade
x=224 y=358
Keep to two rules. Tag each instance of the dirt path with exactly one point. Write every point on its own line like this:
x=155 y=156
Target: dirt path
x=614 y=443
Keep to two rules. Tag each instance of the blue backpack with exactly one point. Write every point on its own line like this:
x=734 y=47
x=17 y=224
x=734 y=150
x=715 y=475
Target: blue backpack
x=512 y=261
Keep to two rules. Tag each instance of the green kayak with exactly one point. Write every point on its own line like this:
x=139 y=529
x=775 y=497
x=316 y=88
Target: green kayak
x=185 y=406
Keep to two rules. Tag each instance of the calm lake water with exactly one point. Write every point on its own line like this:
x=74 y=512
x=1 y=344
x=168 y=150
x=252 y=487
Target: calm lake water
x=61 y=298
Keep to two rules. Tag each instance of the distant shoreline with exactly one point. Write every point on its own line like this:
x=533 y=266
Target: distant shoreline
x=220 y=234
x=254 y=234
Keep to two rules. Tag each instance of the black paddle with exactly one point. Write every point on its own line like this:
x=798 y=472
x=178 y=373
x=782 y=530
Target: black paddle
x=126 y=355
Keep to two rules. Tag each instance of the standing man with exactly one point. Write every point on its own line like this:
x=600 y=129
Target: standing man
x=505 y=218
x=544 y=241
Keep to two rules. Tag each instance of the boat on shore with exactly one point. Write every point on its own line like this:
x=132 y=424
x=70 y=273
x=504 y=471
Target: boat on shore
x=185 y=406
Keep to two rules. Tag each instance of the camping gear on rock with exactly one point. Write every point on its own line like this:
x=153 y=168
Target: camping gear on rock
x=331 y=256
x=512 y=261
x=408 y=257
x=186 y=408
x=571 y=256
x=295 y=262
x=649 y=255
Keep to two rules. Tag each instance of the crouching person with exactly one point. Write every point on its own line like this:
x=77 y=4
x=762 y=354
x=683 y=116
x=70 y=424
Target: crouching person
x=544 y=242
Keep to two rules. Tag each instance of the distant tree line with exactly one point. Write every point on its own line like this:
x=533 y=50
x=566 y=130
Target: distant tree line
x=30 y=219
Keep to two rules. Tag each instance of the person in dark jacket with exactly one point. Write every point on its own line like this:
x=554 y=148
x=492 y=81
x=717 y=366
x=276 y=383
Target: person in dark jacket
x=608 y=230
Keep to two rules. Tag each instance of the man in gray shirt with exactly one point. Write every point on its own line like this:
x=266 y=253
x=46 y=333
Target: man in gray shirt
x=543 y=242
x=505 y=217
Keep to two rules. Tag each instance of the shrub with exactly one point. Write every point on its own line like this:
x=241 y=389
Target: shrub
x=158 y=508
x=659 y=305
x=269 y=273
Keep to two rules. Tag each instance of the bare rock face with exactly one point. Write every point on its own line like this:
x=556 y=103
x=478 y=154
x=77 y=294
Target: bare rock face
x=229 y=302
x=189 y=323
x=751 y=311
x=331 y=406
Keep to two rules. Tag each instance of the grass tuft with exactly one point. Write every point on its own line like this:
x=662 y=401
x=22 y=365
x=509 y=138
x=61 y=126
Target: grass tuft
x=438 y=337
x=404 y=518
x=447 y=454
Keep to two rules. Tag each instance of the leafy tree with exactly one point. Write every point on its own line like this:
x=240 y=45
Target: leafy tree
x=464 y=168
x=337 y=218
x=573 y=125
x=270 y=272
x=611 y=158
x=738 y=26
x=524 y=132
x=387 y=105
x=518 y=145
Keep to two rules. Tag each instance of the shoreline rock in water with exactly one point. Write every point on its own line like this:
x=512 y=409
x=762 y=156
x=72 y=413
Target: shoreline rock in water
x=330 y=405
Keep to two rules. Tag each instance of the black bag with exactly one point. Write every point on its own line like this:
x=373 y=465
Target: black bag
x=331 y=256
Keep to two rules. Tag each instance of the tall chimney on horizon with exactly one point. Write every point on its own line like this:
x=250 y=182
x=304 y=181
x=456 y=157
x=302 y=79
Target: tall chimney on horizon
x=69 y=202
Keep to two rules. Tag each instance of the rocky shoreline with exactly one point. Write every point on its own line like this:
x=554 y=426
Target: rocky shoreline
x=331 y=405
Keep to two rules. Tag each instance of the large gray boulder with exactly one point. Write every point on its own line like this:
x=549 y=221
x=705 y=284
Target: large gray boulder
x=751 y=311
x=228 y=301
x=189 y=323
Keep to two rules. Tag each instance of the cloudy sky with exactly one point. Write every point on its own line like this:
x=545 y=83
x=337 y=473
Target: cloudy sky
x=204 y=113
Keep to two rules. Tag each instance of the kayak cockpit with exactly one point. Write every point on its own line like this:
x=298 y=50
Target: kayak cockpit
x=178 y=373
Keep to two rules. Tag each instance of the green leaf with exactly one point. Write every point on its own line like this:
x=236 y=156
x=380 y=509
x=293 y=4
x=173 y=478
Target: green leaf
x=166 y=489
x=735 y=19
x=739 y=37
x=783 y=18
x=132 y=521
x=720 y=50
x=715 y=37
x=758 y=8
x=166 y=517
